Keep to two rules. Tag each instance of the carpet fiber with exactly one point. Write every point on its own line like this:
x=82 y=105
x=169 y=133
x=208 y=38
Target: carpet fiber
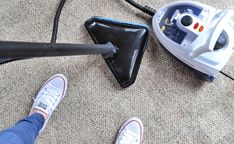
x=173 y=104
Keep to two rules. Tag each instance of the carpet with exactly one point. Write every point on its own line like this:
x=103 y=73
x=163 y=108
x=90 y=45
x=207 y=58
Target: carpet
x=173 y=104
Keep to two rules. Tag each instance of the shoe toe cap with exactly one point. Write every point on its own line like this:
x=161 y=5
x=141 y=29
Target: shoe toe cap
x=59 y=81
x=135 y=125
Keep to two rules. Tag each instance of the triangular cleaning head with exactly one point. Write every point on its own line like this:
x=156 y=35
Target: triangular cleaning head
x=130 y=40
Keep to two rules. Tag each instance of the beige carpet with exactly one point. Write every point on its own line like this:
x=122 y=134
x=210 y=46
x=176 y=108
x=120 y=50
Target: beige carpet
x=175 y=107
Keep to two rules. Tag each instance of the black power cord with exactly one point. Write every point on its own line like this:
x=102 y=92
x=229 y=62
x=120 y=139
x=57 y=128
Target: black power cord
x=56 y=22
x=226 y=75
x=146 y=9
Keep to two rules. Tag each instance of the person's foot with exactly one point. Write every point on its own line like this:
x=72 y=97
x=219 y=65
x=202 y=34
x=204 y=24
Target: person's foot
x=50 y=95
x=131 y=132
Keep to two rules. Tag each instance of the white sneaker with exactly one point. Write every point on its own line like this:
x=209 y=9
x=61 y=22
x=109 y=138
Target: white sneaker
x=50 y=95
x=131 y=132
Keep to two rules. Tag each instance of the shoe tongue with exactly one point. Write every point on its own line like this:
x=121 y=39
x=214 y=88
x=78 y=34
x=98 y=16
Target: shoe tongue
x=42 y=107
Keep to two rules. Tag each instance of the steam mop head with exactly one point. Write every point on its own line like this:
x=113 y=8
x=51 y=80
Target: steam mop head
x=130 y=40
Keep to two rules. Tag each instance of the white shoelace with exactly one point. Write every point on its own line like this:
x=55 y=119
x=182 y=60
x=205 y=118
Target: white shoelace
x=129 y=137
x=49 y=97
